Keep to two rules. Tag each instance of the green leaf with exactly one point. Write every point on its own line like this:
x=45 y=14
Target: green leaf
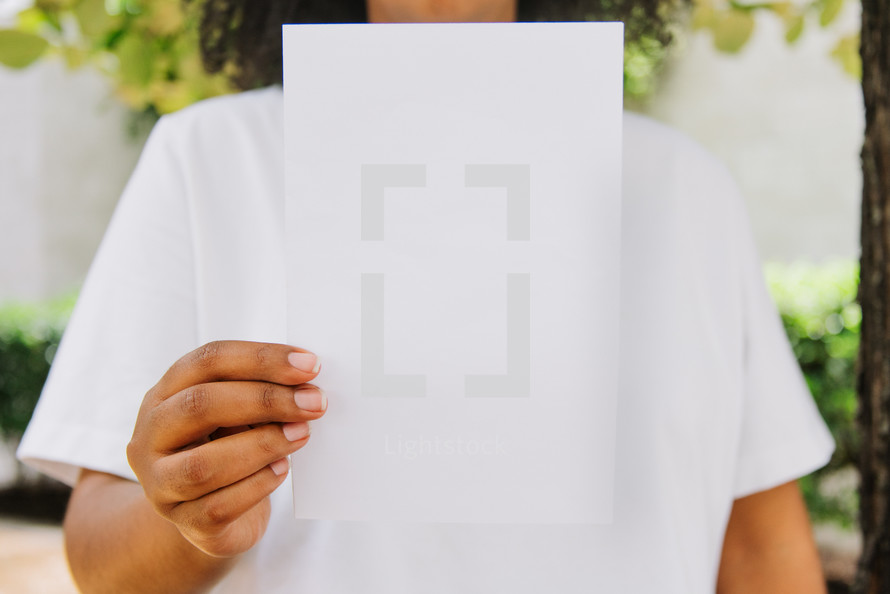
x=94 y=18
x=19 y=49
x=30 y=20
x=830 y=10
x=782 y=10
x=74 y=57
x=846 y=52
x=165 y=18
x=732 y=30
x=115 y=7
x=794 y=28
x=702 y=14
x=136 y=60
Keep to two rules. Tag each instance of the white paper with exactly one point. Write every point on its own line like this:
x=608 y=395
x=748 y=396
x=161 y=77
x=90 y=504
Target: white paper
x=453 y=221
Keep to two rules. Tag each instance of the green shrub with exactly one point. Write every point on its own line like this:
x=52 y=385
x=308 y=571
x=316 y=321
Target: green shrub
x=29 y=336
x=821 y=316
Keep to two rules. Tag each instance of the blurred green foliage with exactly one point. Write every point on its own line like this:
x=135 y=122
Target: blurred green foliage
x=643 y=59
x=29 y=336
x=19 y=49
x=819 y=310
x=732 y=23
x=149 y=48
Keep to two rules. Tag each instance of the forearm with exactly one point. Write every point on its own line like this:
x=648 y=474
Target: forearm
x=774 y=571
x=769 y=547
x=117 y=543
x=772 y=578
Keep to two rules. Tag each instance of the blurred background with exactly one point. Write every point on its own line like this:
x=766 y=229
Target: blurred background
x=771 y=88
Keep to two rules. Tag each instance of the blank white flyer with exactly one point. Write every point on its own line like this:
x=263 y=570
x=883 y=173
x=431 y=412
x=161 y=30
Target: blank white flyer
x=453 y=230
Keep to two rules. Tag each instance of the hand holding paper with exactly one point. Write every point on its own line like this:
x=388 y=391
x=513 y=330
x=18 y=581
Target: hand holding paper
x=211 y=438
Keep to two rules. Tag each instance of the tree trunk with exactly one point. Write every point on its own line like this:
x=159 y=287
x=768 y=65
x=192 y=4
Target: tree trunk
x=874 y=296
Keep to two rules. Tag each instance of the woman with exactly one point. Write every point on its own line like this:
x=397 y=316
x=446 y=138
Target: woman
x=714 y=421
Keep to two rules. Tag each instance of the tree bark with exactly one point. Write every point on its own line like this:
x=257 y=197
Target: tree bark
x=873 y=376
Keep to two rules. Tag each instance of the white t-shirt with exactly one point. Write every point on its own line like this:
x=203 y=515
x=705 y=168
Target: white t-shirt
x=711 y=406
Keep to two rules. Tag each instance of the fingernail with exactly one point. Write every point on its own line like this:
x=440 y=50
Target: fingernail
x=296 y=431
x=279 y=467
x=311 y=399
x=306 y=362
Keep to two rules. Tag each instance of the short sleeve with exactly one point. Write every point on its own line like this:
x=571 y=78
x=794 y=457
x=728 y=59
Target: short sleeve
x=783 y=436
x=134 y=318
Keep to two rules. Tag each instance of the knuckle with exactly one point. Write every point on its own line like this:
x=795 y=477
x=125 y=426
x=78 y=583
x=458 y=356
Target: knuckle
x=263 y=354
x=207 y=356
x=140 y=458
x=131 y=454
x=157 y=484
x=267 y=443
x=165 y=511
x=134 y=457
x=154 y=393
x=162 y=484
x=195 y=469
x=195 y=402
x=185 y=519
x=267 y=398
x=158 y=392
x=215 y=512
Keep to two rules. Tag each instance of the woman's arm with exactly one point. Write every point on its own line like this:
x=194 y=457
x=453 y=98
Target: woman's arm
x=769 y=546
x=209 y=447
x=116 y=542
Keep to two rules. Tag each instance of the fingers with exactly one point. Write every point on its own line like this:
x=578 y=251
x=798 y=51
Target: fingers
x=238 y=360
x=192 y=474
x=211 y=438
x=210 y=519
x=197 y=411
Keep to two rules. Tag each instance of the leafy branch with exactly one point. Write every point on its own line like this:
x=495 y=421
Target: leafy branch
x=149 y=48
x=732 y=22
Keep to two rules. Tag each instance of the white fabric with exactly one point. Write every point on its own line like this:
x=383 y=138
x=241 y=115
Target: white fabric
x=711 y=404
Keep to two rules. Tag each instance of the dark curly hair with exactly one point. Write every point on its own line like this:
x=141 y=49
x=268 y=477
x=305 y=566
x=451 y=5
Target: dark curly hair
x=243 y=37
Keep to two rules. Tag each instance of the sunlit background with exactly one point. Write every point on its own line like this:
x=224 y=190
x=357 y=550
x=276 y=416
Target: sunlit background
x=773 y=91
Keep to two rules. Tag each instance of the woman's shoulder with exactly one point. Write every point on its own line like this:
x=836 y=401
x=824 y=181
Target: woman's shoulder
x=217 y=121
x=255 y=103
x=649 y=142
x=663 y=166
